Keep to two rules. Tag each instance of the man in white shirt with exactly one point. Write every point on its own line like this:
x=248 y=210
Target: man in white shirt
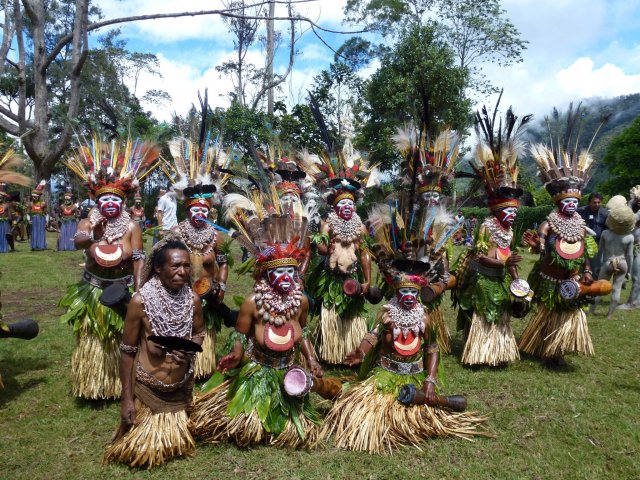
x=167 y=206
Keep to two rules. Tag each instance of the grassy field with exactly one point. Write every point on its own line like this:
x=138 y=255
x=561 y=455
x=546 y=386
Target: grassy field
x=581 y=421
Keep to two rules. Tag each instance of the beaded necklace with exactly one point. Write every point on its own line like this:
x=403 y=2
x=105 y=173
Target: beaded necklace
x=197 y=239
x=345 y=231
x=405 y=321
x=275 y=307
x=170 y=314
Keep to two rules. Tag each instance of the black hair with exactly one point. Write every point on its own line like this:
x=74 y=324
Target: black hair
x=159 y=256
x=595 y=195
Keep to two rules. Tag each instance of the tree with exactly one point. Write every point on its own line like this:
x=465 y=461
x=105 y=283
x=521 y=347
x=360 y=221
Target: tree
x=622 y=159
x=477 y=30
x=417 y=83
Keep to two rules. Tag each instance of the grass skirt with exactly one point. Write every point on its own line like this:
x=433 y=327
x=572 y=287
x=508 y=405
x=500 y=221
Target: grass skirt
x=490 y=343
x=206 y=360
x=95 y=367
x=443 y=337
x=156 y=438
x=253 y=409
x=337 y=336
x=369 y=418
x=554 y=333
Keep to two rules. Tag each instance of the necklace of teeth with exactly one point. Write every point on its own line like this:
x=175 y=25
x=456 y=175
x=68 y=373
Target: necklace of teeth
x=405 y=321
x=116 y=227
x=570 y=228
x=199 y=241
x=275 y=307
x=345 y=231
x=500 y=235
x=170 y=314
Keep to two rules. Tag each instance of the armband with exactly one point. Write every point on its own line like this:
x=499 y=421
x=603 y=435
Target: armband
x=130 y=349
x=432 y=380
x=222 y=286
x=236 y=336
x=202 y=334
x=432 y=348
x=371 y=338
x=81 y=233
x=221 y=258
x=138 y=254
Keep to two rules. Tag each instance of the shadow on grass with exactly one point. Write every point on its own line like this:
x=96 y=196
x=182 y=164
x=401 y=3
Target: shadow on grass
x=97 y=405
x=13 y=367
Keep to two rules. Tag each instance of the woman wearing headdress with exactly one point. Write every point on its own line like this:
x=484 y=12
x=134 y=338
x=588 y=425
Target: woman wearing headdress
x=396 y=403
x=6 y=237
x=559 y=278
x=199 y=181
x=69 y=222
x=252 y=406
x=114 y=255
x=486 y=271
x=137 y=211
x=38 y=218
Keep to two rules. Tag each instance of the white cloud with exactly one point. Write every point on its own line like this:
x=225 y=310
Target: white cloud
x=582 y=80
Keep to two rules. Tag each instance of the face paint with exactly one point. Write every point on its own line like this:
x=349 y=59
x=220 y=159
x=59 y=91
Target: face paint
x=196 y=213
x=344 y=208
x=507 y=216
x=431 y=198
x=289 y=202
x=110 y=205
x=282 y=278
x=568 y=206
x=407 y=297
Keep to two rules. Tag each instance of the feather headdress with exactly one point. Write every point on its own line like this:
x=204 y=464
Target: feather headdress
x=496 y=155
x=8 y=163
x=563 y=170
x=113 y=167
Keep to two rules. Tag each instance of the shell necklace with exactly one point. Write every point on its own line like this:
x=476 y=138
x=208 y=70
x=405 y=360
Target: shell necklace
x=170 y=314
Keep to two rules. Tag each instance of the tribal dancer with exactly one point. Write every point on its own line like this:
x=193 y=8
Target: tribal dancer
x=69 y=220
x=136 y=212
x=38 y=216
x=270 y=332
x=6 y=237
x=485 y=272
x=200 y=182
x=114 y=255
x=634 y=295
x=155 y=426
x=403 y=365
x=561 y=277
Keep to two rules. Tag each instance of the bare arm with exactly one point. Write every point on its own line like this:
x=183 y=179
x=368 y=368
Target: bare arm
x=198 y=329
x=365 y=261
x=243 y=326
x=307 y=349
x=130 y=338
x=431 y=365
x=136 y=244
x=323 y=249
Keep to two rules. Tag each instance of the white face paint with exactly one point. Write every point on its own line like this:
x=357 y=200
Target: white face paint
x=196 y=214
x=407 y=297
x=110 y=205
x=431 y=197
x=344 y=208
x=282 y=278
x=568 y=205
x=507 y=216
x=289 y=201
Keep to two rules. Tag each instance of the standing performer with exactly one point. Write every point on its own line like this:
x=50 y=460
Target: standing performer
x=559 y=325
x=114 y=255
x=403 y=365
x=200 y=183
x=38 y=218
x=270 y=331
x=634 y=296
x=137 y=211
x=434 y=170
x=69 y=223
x=162 y=330
x=485 y=272
x=342 y=240
x=6 y=237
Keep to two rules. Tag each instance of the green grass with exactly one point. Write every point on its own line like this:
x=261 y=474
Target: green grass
x=572 y=423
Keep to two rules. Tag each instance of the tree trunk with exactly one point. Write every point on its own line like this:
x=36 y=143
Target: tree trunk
x=270 y=55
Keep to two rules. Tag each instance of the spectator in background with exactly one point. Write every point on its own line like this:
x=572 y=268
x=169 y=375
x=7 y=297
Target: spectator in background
x=167 y=208
x=595 y=216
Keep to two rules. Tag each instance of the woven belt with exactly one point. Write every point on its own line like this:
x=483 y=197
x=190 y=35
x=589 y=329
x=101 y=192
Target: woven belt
x=149 y=380
x=263 y=358
x=487 y=271
x=402 y=368
x=100 y=282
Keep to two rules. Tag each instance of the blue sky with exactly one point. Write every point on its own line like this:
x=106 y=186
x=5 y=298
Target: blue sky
x=577 y=49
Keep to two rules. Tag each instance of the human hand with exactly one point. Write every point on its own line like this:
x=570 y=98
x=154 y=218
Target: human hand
x=315 y=367
x=127 y=413
x=429 y=392
x=587 y=278
x=364 y=288
x=179 y=357
x=354 y=358
x=513 y=260
x=229 y=361
x=530 y=237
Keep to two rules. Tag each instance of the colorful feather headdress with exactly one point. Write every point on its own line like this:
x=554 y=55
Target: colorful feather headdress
x=199 y=172
x=275 y=237
x=114 y=167
x=563 y=170
x=496 y=155
x=427 y=166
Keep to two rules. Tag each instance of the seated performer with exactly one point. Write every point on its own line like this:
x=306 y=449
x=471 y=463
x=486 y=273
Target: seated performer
x=154 y=426
x=369 y=417
x=271 y=329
